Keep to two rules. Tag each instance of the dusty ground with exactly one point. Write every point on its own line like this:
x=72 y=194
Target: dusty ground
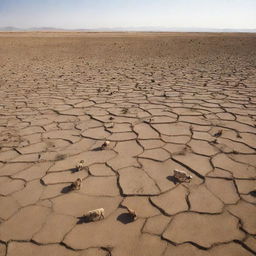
x=165 y=101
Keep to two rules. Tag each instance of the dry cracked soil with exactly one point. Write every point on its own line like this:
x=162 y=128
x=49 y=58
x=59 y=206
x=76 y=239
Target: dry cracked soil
x=165 y=101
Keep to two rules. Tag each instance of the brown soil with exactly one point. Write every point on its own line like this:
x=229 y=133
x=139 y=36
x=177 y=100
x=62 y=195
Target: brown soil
x=165 y=101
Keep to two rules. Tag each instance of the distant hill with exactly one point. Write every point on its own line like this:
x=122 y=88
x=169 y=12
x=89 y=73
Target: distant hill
x=13 y=29
x=130 y=29
x=9 y=29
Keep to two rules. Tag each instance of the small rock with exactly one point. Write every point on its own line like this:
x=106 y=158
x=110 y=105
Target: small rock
x=218 y=134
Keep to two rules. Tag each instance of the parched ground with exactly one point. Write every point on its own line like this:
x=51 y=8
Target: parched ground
x=165 y=101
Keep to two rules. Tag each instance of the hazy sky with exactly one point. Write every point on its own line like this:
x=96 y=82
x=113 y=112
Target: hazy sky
x=128 y=13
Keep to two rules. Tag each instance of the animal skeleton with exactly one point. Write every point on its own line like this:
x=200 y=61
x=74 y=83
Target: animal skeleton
x=80 y=165
x=182 y=176
x=132 y=213
x=125 y=110
x=76 y=185
x=105 y=144
x=110 y=125
x=95 y=215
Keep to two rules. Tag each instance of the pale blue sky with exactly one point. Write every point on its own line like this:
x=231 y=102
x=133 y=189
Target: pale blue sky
x=128 y=13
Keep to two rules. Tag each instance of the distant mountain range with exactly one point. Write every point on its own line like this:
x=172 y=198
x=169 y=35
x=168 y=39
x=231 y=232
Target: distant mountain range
x=129 y=29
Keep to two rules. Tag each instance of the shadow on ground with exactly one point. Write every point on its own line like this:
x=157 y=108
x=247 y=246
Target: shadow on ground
x=125 y=218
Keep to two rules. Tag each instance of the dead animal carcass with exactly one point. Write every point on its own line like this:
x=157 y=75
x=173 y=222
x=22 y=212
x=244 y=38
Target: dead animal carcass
x=182 y=176
x=132 y=213
x=76 y=185
x=80 y=165
x=95 y=215
x=105 y=144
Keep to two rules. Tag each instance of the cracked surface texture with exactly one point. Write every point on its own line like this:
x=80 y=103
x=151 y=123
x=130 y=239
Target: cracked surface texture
x=164 y=101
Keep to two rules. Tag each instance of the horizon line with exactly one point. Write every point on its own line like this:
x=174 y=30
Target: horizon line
x=127 y=29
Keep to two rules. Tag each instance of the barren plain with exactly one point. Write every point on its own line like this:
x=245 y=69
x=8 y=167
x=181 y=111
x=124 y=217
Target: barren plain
x=165 y=101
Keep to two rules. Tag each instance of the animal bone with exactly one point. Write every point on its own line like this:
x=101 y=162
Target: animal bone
x=80 y=165
x=105 y=144
x=182 y=176
x=95 y=215
x=214 y=141
x=125 y=110
x=110 y=125
x=238 y=135
x=132 y=213
x=76 y=185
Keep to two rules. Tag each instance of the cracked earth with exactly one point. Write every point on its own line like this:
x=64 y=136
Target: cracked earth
x=165 y=102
